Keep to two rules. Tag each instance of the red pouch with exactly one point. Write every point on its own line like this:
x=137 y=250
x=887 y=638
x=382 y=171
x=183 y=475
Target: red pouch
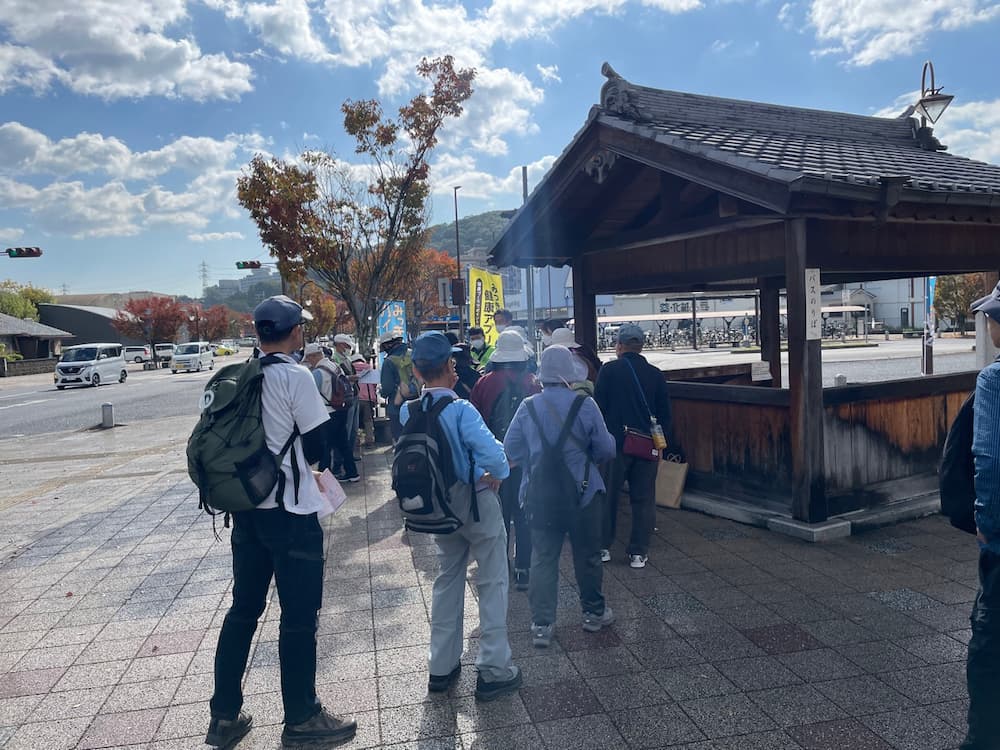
x=640 y=445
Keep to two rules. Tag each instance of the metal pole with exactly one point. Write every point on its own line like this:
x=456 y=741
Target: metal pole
x=694 y=323
x=927 y=349
x=458 y=260
x=529 y=287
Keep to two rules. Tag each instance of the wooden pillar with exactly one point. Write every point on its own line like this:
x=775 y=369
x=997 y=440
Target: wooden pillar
x=584 y=306
x=805 y=385
x=769 y=326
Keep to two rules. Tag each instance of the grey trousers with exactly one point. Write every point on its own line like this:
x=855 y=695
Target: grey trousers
x=485 y=542
x=584 y=538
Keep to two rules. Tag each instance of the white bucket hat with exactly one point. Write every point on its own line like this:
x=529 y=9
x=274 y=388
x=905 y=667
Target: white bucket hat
x=564 y=337
x=560 y=365
x=509 y=348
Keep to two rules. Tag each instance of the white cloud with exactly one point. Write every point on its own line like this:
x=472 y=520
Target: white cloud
x=215 y=236
x=112 y=50
x=10 y=234
x=785 y=15
x=549 y=72
x=287 y=26
x=502 y=105
x=451 y=170
x=868 y=31
x=972 y=129
x=720 y=45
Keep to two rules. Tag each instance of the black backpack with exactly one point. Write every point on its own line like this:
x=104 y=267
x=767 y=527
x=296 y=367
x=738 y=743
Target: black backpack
x=505 y=407
x=423 y=472
x=552 y=497
x=957 y=473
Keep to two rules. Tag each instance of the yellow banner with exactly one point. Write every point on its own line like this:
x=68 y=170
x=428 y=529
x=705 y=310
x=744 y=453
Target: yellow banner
x=485 y=298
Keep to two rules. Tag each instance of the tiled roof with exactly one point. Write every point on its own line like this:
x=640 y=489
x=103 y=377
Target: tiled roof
x=11 y=326
x=790 y=143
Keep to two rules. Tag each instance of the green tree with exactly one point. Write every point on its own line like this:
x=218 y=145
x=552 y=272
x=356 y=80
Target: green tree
x=22 y=300
x=358 y=230
x=954 y=294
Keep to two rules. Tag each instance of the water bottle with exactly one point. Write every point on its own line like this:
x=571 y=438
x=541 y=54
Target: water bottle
x=659 y=439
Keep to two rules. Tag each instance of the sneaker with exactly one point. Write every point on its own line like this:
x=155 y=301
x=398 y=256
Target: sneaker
x=225 y=733
x=490 y=691
x=637 y=561
x=521 y=580
x=593 y=623
x=605 y=555
x=323 y=729
x=352 y=480
x=541 y=635
x=439 y=683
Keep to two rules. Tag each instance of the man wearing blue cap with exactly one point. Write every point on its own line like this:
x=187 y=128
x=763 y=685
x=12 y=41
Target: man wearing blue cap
x=484 y=540
x=280 y=539
x=983 y=662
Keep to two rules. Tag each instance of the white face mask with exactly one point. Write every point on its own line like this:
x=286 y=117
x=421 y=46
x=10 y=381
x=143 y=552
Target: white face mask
x=546 y=339
x=478 y=343
x=501 y=328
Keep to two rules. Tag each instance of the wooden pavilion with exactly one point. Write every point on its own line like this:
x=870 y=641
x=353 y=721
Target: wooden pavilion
x=662 y=191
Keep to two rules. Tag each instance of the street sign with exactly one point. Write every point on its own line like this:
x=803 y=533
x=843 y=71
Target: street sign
x=444 y=295
x=23 y=252
x=814 y=307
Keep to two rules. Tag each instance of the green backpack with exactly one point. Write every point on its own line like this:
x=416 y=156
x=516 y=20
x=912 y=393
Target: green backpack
x=227 y=454
x=409 y=388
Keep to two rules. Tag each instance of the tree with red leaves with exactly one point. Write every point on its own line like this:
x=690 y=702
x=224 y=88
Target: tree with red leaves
x=423 y=294
x=359 y=229
x=151 y=319
x=216 y=322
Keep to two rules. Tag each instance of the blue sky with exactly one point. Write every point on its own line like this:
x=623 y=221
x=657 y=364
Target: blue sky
x=123 y=125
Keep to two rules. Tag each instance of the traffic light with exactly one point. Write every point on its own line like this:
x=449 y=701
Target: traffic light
x=242 y=264
x=23 y=252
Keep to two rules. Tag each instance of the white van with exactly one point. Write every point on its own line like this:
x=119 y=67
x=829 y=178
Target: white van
x=193 y=355
x=90 y=364
x=138 y=354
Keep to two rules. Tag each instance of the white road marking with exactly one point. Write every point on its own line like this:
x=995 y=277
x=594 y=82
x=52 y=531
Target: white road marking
x=27 y=403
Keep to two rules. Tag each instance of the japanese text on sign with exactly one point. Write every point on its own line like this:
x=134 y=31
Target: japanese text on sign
x=814 y=307
x=486 y=297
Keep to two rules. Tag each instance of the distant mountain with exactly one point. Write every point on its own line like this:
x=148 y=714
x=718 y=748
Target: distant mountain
x=115 y=300
x=477 y=231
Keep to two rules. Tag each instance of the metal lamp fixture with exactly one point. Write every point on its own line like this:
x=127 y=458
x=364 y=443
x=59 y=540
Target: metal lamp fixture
x=932 y=103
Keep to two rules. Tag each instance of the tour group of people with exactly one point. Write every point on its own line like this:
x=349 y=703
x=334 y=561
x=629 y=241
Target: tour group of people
x=548 y=443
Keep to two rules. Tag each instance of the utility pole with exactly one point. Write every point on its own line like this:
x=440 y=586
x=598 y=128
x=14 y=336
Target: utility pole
x=458 y=262
x=529 y=286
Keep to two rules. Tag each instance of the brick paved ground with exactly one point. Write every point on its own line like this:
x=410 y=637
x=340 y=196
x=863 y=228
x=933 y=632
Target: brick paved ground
x=732 y=637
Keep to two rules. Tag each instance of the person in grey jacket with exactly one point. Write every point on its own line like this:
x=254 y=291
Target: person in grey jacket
x=589 y=443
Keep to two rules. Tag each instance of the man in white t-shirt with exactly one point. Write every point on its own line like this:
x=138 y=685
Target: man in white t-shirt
x=280 y=539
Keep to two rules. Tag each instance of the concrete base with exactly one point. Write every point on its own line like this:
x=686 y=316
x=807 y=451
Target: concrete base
x=811 y=532
x=904 y=510
x=721 y=507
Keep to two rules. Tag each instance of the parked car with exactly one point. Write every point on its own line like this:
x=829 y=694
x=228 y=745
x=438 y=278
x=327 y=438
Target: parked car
x=164 y=353
x=90 y=364
x=192 y=356
x=138 y=354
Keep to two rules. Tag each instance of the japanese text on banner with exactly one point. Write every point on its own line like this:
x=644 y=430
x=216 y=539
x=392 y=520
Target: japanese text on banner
x=485 y=298
x=814 y=306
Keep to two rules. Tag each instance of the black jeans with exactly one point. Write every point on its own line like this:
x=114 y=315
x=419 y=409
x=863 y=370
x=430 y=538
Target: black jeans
x=584 y=538
x=514 y=513
x=336 y=438
x=983 y=665
x=641 y=476
x=288 y=547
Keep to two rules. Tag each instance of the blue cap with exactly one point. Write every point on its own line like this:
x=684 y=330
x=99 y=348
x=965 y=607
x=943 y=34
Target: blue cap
x=630 y=333
x=989 y=305
x=278 y=314
x=432 y=347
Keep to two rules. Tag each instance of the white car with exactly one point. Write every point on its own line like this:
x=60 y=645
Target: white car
x=164 y=352
x=193 y=356
x=138 y=354
x=90 y=364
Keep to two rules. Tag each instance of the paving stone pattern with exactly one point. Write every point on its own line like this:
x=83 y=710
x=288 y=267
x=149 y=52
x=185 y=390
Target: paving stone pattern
x=731 y=637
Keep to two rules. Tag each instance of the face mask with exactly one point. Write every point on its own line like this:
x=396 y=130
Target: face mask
x=546 y=339
x=478 y=343
x=501 y=328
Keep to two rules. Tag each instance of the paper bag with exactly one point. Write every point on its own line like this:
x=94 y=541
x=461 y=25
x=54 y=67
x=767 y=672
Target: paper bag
x=670 y=478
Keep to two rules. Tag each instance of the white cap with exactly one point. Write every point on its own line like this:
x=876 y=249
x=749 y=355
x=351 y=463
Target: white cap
x=343 y=338
x=387 y=337
x=564 y=337
x=312 y=349
x=509 y=348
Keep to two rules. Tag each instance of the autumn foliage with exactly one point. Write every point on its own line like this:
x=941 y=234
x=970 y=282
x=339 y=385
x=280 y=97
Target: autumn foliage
x=359 y=229
x=151 y=319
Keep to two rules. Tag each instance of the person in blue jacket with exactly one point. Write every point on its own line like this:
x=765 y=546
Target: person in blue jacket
x=485 y=540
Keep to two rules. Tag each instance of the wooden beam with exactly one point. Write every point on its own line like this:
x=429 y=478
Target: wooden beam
x=805 y=386
x=770 y=327
x=683 y=229
x=584 y=307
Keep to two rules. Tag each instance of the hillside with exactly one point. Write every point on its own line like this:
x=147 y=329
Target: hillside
x=476 y=231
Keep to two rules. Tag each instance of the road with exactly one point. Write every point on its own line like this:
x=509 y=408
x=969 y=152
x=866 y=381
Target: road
x=31 y=405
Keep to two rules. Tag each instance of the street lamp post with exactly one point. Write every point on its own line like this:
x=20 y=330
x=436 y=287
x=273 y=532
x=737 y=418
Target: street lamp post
x=458 y=262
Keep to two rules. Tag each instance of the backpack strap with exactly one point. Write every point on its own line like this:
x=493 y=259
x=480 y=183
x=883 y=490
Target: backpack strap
x=279 y=492
x=434 y=412
x=564 y=433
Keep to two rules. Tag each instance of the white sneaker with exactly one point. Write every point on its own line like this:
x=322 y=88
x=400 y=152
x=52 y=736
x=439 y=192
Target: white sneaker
x=541 y=635
x=605 y=555
x=593 y=623
x=637 y=561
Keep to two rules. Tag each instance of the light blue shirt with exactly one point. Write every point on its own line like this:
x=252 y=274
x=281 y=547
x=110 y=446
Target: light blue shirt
x=986 y=451
x=467 y=434
x=593 y=442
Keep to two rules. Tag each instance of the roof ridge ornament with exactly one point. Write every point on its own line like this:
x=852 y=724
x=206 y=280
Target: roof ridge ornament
x=618 y=96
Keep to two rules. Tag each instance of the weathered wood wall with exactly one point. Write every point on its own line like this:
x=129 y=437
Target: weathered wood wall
x=736 y=439
x=877 y=433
